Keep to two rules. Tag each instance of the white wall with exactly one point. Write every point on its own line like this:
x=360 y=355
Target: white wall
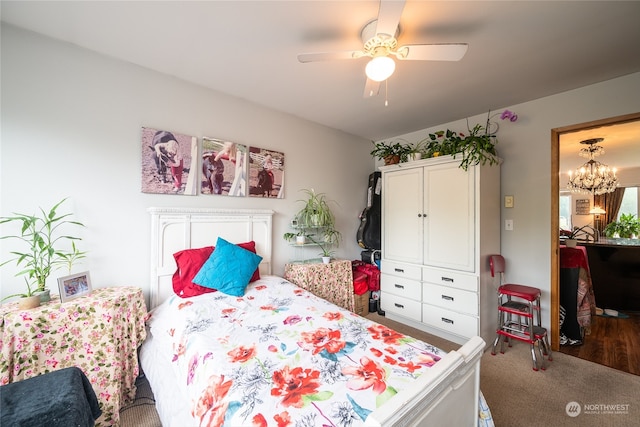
x=525 y=147
x=71 y=127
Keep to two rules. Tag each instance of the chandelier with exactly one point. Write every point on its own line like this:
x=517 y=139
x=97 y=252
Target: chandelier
x=593 y=177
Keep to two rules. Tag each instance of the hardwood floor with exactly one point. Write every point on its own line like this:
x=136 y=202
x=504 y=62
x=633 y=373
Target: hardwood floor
x=613 y=342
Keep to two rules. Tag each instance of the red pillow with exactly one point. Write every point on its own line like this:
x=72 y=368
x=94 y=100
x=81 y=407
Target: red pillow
x=189 y=262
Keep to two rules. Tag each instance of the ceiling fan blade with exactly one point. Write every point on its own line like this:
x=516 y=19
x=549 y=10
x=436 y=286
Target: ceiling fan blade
x=328 y=56
x=371 y=88
x=433 y=52
x=389 y=17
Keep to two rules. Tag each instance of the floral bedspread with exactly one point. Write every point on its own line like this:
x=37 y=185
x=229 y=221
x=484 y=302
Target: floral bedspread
x=254 y=360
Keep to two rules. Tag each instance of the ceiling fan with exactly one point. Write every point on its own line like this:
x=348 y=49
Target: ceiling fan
x=381 y=45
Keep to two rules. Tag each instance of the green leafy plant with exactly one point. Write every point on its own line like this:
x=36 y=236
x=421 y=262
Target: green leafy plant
x=291 y=236
x=316 y=211
x=42 y=256
x=327 y=239
x=316 y=222
x=626 y=227
x=392 y=152
x=476 y=147
x=584 y=233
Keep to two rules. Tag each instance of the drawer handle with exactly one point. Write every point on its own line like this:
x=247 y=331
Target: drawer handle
x=398 y=286
x=447 y=297
x=445 y=320
x=399 y=270
x=447 y=279
x=398 y=305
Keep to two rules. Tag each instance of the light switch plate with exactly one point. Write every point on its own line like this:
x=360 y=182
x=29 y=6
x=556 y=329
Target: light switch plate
x=508 y=201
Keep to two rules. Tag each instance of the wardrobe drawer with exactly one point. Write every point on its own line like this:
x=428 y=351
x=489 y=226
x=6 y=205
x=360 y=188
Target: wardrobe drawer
x=451 y=298
x=401 y=286
x=452 y=322
x=450 y=278
x=401 y=270
x=401 y=306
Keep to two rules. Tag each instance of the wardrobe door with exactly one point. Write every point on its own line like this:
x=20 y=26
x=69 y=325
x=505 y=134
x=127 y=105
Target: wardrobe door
x=402 y=215
x=449 y=203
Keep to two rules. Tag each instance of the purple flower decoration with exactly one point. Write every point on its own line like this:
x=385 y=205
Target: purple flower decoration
x=292 y=320
x=193 y=364
x=510 y=115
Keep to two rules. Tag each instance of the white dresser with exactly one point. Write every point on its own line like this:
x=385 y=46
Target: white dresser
x=439 y=226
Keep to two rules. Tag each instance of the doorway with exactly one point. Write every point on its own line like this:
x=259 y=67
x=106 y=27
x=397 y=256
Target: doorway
x=556 y=136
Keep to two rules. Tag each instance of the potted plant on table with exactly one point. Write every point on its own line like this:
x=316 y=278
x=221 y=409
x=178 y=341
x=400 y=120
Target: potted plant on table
x=571 y=237
x=626 y=227
x=43 y=253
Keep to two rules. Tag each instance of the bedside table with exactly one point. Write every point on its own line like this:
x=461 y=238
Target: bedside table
x=99 y=333
x=333 y=281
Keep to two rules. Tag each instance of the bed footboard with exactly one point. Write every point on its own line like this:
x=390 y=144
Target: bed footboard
x=446 y=395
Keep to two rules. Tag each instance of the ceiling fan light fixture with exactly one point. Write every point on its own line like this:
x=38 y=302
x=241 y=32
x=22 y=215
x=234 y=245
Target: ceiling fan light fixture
x=380 y=68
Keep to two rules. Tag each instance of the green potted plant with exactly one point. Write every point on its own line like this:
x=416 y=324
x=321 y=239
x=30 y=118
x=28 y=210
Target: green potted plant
x=43 y=253
x=627 y=226
x=327 y=238
x=316 y=211
x=477 y=147
x=300 y=237
x=571 y=237
x=392 y=152
x=316 y=222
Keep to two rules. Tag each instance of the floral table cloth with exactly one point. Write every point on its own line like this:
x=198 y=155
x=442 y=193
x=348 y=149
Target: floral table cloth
x=333 y=281
x=99 y=333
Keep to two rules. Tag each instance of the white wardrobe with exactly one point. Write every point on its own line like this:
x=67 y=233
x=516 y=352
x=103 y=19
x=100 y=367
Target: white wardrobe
x=440 y=223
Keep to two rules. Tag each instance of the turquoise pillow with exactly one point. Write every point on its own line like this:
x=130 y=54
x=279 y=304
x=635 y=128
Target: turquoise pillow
x=228 y=269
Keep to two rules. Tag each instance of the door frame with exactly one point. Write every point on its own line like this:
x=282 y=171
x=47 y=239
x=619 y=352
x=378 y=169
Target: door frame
x=555 y=211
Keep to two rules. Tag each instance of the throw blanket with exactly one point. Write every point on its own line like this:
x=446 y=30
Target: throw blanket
x=61 y=398
x=573 y=258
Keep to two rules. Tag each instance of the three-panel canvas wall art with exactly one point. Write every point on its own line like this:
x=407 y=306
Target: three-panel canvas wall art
x=173 y=163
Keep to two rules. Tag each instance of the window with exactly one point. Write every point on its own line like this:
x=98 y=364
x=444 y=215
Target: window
x=629 y=202
x=565 y=211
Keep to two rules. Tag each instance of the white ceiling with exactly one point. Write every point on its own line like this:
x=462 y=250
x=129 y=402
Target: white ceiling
x=518 y=51
x=621 y=144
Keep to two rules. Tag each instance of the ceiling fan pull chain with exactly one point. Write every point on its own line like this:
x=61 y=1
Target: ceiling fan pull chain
x=386 y=93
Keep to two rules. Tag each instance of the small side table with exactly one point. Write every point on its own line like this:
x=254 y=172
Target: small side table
x=99 y=333
x=333 y=281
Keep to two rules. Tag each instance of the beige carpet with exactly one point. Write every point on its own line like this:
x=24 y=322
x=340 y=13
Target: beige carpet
x=517 y=395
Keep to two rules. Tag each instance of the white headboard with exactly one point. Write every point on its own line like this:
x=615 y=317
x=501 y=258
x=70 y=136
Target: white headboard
x=175 y=229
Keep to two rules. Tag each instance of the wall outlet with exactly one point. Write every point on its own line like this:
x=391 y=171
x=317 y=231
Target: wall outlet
x=508 y=224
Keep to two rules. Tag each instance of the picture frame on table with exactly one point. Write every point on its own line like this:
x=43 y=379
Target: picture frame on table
x=74 y=286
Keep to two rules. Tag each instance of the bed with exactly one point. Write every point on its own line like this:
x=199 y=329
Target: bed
x=275 y=354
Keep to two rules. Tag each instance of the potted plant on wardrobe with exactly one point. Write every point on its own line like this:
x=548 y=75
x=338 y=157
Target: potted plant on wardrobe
x=392 y=152
x=44 y=248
